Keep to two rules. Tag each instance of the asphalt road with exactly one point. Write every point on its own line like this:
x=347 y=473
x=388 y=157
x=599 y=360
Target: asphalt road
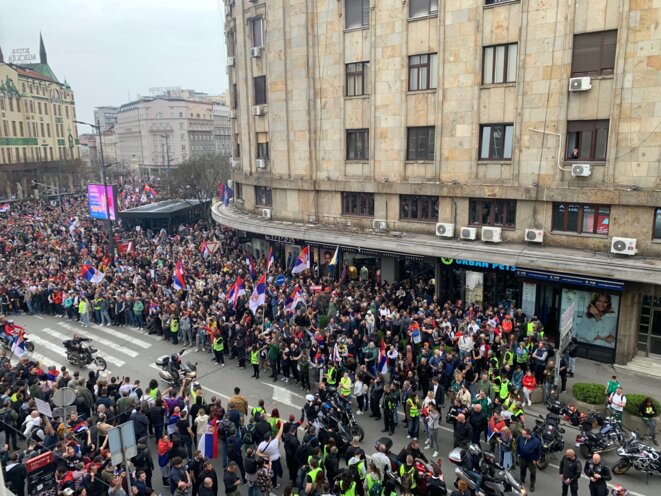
x=133 y=353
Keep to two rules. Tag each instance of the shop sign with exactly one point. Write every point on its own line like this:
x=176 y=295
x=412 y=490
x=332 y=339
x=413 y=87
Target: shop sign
x=281 y=239
x=477 y=265
x=570 y=279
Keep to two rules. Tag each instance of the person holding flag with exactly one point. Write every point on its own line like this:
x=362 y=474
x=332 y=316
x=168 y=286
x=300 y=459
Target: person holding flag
x=302 y=262
x=251 y=266
x=258 y=297
x=269 y=260
x=179 y=281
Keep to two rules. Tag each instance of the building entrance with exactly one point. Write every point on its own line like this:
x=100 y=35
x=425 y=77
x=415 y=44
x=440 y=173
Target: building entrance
x=649 y=330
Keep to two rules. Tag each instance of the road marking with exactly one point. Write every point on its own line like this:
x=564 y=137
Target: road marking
x=120 y=335
x=46 y=344
x=38 y=317
x=282 y=390
x=98 y=339
x=44 y=360
x=63 y=337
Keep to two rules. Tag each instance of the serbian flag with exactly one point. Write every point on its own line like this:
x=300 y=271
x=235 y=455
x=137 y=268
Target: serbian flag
x=303 y=261
x=150 y=191
x=258 y=296
x=91 y=274
x=4 y=208
x=383 y=358
x=18 y=347
x=221 y=190
x=227 y=194
x=251 y=266
x=179 y=282
x=235 y=291
x=204 y=249
x=208 y=443
x=294 y=299
x=125 y=247
x=79 y=427
x=269 y=260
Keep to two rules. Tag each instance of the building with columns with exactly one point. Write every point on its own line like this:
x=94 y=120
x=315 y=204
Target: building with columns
x=507 y=149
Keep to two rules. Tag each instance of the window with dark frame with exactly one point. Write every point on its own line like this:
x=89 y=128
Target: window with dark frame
x=499 y=64
x=594 y=53
x=418 y=207
x=422 y=72
x=238 y=191
x=422 y=8
x=496 y=213
x=581 y=218
x=260 y=90
x=358 y=204
x=257 y=25
x=496 y=141
x=357 y=79
x=656 y=231
x=263 y=196
x=235 y=97
x=263 y=151
x=420 y=143
x=587 y=140
x=358 y=144
x=356 y=14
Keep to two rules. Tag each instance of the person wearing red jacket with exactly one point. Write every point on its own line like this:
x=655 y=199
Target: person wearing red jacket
x=529 y=384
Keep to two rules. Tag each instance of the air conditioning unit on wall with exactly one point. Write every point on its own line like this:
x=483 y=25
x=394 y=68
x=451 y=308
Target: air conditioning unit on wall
x=581 y=170
x=230 y=61
x=468 y=233
x=256 y=52
x=445 y=230
x=258 y=110
x=534 y=235
x=623 y=246
x=266 y=213
x=492 y=234
x=580 y=84
x=380 y=225
x=261 y=163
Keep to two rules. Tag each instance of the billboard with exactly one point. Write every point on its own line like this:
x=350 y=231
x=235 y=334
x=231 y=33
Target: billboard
x=97 y=201
x=595 y=316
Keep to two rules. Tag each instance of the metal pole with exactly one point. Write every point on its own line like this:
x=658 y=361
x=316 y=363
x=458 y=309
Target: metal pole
x=167 y=152
x=108 y=224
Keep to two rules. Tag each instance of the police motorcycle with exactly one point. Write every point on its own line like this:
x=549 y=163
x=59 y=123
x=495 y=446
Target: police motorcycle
x=81 y=354
x=638 y=455
x=549 y=433
x=496 y=480
x=174 y=371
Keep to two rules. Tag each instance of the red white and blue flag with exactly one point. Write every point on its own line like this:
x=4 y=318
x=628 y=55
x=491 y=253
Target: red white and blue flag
x=4 y=208
x=91 y=274
x=150 y=191
x=294 y=299
x=179 y=281
x=269 y=260
x=258 y=296
x=303 y=261
x=383 y=358
x=204 y=249
x=235 y=291
x=208 y=443
x=18 y=347
x=251 y=266
x=79 y=427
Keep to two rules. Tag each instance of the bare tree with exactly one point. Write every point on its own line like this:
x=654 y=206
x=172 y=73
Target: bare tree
x=198 y=178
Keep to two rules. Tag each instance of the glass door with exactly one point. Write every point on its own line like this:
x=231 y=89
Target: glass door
x=649 y=330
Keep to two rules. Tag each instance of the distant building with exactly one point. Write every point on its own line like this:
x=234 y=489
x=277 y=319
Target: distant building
x=105 y=116
x=221 y=128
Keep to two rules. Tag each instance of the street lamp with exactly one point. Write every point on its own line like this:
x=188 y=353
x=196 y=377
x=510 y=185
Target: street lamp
x=167 y=152
x=35 y=185
x=108 y=224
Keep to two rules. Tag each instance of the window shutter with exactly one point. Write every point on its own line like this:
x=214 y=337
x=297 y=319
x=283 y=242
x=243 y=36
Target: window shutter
x=366 y=13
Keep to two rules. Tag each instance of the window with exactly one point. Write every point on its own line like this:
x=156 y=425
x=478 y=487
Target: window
x=499 y=64
x=260 y=90
x=356 y=14
x=594 y=54
x=263 y=150
x=420 y=143
x=496 y=141
x=422 y=72
x=238 y=191
x=257 y=25
x=358 y=144
x=587 y=140
x=358 y=204
x=581 y=218
x=418 y=207
x=422 y=8
x=263 y=196
x=357 y=79
x=499 y=213
x=656 y=231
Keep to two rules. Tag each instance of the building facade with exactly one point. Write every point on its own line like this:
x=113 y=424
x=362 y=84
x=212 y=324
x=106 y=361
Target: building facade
x=37 y=129
x=508 y=149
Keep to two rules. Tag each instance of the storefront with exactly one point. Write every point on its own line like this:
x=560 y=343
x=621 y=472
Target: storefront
x=649 y=327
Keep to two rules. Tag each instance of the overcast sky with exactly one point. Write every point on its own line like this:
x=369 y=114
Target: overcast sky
x=108 y=49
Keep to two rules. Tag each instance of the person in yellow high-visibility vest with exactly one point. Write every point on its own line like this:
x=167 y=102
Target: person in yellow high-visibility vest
x=218 y=349
x=331 y=375
x=345 y=386
x=413 y=404
x=254 y=361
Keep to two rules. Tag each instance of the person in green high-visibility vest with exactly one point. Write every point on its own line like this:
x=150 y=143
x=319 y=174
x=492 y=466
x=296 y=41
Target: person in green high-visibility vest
x=174 y=329
x=407 y=472
x=218 y=349
x=345 y=386
x=312 y=479
x=254 y=361
x=413 y=404
x=331 y=375
x=347 y=484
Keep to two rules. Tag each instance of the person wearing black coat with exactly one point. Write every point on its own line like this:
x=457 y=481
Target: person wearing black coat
x=462 y=432
x=291 y=443
x=478 y=421
x=332 y=464
x=376 y=393
x=599 y=474
x=570 y=472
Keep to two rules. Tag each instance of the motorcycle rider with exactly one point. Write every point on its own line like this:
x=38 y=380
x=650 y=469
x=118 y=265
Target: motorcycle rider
x=311 y=408
x=471 y=465
x=413 y=449
x=174 y=367
x=570 y=472
x=599 y=474
x=76 y=344
x=10 y=331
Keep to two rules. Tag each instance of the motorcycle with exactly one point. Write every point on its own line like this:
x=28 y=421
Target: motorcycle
x=609 y=436
x=424 y=469
x=347 y=417
x=172 y=374
x=29 y=345
x=496 y=480
x=549 y=433
x=638 y=455
x=82 y=355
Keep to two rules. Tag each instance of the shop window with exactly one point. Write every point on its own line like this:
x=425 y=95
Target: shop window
x=257 y=25
x=499 y=64
x=260 y=90
x=496 y=141
x=418 y=207
x=420 y=143
x=587 y=140
x=356 y=14
x=581 y=218
x=263 y=196
x=357 y=78
x=498 y=213
x=358 y=204
x=422 y=8
x=656 y=232
x=594 y=53
x=422 y=72
x=357 y=144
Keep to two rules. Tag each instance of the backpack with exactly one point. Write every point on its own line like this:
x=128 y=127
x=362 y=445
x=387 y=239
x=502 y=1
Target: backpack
x=225 y=428
x=376 y=489
x=248 y=437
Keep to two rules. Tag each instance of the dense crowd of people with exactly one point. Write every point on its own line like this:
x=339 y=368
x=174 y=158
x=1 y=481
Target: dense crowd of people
x=391 y=347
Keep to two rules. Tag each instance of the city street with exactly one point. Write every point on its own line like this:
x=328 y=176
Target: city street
x=132 y=353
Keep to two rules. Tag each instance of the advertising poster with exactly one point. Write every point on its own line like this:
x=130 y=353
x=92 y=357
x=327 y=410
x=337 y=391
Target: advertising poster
x=595 y=316
x=41 y=475
x=97 y=201
x=474 y=287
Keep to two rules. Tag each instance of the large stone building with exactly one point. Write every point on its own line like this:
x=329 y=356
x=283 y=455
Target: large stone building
x=37 y=129
x=501 y=147
x=156 y=133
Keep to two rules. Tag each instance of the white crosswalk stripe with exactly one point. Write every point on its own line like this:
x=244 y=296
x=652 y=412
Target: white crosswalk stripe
x=58 y=350
x=63 y=337
x=98 y=339
x=121 y=335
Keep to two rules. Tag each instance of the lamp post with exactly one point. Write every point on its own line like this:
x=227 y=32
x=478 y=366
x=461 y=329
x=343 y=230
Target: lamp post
x=167 y=154
x=108 y=224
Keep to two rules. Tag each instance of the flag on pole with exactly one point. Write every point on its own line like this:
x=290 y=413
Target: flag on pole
x=91 y=274
x=258 y=296
x=208 y=443
x=221 y=190
x=125 y=247
x=294 y=299
x=227 y=194
x=204 y=249
x=179 y=282
x=18 y=347
x=150 y=191
x=333 y=261
x=235 y=291
x=303 y=261
x=4 y=208
x=251 y=266
x=269 y=260
x=337 y=358
x=383 y=358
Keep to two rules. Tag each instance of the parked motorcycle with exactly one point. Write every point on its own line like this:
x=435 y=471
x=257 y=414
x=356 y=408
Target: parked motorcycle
x=496 y=480
x=81 y=354
x=609 y=436
x=174 y=372
x=638 y=455
x=550 y=433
